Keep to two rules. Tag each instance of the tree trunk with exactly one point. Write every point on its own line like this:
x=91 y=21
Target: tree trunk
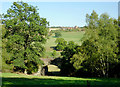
x=103 y=65
x=25 y=72
x=43 y=72
x=103 y=72
x=107 y=67
x=39 y=70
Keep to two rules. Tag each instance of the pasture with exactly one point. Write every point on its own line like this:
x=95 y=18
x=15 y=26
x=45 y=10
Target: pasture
x=13 y=80
x=68 y=36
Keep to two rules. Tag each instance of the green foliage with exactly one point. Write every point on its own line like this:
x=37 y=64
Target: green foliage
x=61 y=43
x=99 y=50
x=58 y=34
x=101 y=39
x=67 y=54
x=54 y=53
x=32 y=67
x=25 y=33
x=119 y=36
x=77 y=61
x=5 y=55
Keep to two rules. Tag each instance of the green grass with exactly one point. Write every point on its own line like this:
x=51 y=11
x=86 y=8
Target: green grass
x=73 y=36
x=68 y=36
x=13 y=80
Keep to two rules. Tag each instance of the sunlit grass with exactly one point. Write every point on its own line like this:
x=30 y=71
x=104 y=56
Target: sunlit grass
x=68 y=36
x=73 y=36
x=53 y=68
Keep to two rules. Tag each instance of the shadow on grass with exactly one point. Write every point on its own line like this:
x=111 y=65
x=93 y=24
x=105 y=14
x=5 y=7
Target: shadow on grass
x=47 y=82
x=53 y=47
x=39 y=82
x=54 y=73
x=54 y=36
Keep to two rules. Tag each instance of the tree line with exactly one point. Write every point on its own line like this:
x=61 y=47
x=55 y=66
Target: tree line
x=98 y=56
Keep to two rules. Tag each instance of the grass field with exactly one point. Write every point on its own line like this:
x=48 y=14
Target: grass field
x=73 y=36
x=68 y=36
x=15 y=80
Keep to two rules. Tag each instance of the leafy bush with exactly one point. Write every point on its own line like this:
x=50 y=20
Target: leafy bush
x=58 y=34
x=54 y=53
x=61 y=43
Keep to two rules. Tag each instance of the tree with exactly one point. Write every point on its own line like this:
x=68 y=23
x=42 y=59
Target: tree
x=61 y=43
x=25 y=34
x=58 y=34
x=67 y=67
x=101 y=39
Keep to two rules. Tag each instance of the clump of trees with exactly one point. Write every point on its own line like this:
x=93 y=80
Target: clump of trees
x=61 y=43
x=24 y=34
x=98 y=54
x=58 y=34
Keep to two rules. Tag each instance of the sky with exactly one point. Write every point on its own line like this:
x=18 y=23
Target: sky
x=69 y=14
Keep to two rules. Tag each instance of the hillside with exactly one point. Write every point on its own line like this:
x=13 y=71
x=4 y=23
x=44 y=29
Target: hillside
x=68 y=36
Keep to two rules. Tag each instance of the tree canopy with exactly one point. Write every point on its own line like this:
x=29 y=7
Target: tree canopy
x=58 y=34
x=26 y=31
x=61 y=43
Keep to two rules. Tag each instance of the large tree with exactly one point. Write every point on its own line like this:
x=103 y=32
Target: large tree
x=26 y=33
x=102 y=34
